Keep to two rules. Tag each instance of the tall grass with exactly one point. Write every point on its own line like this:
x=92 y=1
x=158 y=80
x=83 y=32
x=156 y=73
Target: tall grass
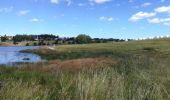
x=129 y=80
x=140 y=73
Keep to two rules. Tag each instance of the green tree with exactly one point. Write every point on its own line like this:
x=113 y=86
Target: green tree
x=83 y=39
x=4 y=39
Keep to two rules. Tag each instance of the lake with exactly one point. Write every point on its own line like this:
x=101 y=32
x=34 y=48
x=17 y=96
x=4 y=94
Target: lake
x=11 y=54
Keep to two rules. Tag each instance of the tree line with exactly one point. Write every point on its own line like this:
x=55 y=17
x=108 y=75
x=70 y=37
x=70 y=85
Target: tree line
x=50 y=39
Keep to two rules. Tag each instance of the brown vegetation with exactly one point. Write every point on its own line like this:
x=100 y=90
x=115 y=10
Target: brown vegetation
x=75 y=64
x=5 y=44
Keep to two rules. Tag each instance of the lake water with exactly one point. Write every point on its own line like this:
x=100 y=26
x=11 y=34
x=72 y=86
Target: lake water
x=11 y=54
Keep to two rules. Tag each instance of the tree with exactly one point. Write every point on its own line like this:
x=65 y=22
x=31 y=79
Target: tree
x=4 y=39
x=47 y=37
x=83 y=39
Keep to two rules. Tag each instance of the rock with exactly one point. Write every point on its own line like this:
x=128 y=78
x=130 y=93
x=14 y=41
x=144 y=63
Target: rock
x=26 y=59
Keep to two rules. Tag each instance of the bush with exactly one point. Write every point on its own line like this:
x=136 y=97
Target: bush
x=35 y=44
x=83 y=39
x=4 y=39
x=27 y=44
x=15 y=43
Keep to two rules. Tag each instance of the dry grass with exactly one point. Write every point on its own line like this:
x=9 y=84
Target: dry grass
x=6 y=44
x=74 y=65
x=83 y=63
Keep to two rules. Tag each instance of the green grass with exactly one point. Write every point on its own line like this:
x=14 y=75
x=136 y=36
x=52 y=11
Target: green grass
x=104 y=49
x=142 y=73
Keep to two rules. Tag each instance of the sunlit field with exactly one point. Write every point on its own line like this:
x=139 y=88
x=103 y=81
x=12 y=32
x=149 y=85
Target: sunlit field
x=136 y=70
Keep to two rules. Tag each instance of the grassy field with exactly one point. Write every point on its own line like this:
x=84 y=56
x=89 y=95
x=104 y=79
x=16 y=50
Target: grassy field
x=9 y=43
x=136 y=70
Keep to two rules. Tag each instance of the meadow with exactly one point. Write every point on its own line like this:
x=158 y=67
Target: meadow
x=135 y=70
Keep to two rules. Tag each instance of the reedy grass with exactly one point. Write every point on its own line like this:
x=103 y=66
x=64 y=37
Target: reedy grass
x=127 y=80
x=143 y=73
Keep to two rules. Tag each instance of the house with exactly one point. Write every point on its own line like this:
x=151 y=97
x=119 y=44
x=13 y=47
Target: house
x=9 y=37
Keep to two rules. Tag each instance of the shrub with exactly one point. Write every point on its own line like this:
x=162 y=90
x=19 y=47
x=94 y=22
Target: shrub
x=83 y=39
x=35 y=44
x=27 y=44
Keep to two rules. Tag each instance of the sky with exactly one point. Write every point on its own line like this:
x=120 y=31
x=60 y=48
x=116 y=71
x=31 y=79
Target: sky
x=97 y=18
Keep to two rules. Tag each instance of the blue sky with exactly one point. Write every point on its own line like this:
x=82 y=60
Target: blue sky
x=97 y=18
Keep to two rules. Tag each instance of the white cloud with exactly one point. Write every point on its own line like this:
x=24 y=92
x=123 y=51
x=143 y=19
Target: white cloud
x=159 y=20
x=81 y=4
x=163 y=9
x=35 y=20
x=99 y=1
x=166 y=24
x=7 y=10
x=146 y=4
x=163 y=0
x=69 y=2
x=162 y=21
x=103 y=18
x=141 y=15
x=23 y=12
x=54 y=1
x=110 y=19
x=165 y=19
x=154 y=20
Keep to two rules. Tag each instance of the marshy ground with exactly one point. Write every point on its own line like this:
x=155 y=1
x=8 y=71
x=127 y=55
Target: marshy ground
x=136 y=70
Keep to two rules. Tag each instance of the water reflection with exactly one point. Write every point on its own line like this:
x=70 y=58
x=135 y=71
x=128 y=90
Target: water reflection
x=12 y=55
